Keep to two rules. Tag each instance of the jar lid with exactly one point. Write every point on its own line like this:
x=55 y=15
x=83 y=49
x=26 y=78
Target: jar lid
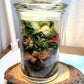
x=42 y=6
x=40 y=11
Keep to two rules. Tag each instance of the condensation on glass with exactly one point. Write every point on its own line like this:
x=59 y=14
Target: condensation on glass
x=40 y=34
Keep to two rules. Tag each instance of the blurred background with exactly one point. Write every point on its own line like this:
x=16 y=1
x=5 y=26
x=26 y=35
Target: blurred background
x=73 y=31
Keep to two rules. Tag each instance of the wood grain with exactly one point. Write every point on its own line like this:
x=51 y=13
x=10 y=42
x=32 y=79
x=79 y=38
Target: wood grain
x=72 y=50
x=67 y=75
x=3 y=53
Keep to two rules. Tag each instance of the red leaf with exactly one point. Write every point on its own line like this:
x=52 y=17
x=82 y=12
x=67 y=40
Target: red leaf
x=30 y=57
x=54 y=39
x=51 y=41
x=27 y=55
x=34 y=54
x=33 y=60
x=43 y=55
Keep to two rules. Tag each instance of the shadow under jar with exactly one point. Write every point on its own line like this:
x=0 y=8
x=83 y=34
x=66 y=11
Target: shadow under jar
x=40 y=33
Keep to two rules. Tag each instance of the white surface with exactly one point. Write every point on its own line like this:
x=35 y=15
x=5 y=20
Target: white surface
x=14 y=57
x=8 y=60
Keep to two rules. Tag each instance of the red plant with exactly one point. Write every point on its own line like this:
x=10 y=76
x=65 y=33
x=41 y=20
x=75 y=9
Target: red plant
x=54 y=39
x=30 y=57
x=34 y=54
x=43 y=55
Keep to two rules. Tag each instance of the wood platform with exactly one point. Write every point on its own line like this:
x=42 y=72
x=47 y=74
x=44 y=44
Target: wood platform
x=68 y=75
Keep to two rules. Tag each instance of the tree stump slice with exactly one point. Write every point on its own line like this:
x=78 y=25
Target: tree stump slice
x=67 y=75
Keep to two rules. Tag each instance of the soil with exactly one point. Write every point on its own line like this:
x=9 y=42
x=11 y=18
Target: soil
x=40 y=69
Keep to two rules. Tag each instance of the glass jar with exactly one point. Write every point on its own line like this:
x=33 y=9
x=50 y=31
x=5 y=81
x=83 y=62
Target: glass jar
x=40 y=32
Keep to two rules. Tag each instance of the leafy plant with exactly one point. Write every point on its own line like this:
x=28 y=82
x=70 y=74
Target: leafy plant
x=38 y=37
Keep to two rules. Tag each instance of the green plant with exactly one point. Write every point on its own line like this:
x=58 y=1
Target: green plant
x=38 y=37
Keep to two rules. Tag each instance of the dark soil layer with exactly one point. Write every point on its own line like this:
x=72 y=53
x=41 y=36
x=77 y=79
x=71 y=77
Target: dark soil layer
x=40 y=69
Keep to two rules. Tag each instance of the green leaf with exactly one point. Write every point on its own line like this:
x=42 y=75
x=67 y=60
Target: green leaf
x=45 y=30
x=41 y=41
x=28 y=47
x=43 y=23
x=36 y=31
x=35 y=25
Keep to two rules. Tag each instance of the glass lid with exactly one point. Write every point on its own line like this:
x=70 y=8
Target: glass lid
x=56 y=5
x=41 y=1
x=40 y=10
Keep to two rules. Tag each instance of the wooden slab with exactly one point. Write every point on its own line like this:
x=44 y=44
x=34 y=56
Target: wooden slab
x=67 y=75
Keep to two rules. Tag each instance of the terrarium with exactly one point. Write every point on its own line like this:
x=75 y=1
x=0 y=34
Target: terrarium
x=40 y=32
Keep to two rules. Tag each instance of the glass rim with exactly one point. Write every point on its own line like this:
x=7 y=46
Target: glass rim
x=59 y=7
